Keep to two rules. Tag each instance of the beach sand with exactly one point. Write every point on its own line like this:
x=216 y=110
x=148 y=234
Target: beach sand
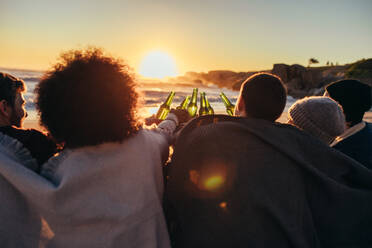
x=35 y=123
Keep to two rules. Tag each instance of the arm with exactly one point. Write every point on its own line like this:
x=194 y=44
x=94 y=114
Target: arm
x=168 y=126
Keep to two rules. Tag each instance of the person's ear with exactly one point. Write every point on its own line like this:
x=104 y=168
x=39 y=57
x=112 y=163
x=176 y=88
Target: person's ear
x=240 y=107
x=5 y=109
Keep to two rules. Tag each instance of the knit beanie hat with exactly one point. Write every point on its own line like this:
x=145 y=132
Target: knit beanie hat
x=319 y=116
x=354 y=97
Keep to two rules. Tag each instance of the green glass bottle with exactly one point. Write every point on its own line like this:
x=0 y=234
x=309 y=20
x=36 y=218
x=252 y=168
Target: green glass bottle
x=192 y=108
x=165 y=107
x=184 y=103
x=203 y=110
x=209 y=107
x=229 y=106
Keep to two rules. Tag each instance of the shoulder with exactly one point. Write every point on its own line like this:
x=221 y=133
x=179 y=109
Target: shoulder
x=228 y=126
x=23 y=135
x=369 y=127
x=15 y=150
x=151 y=138
x=364 y=136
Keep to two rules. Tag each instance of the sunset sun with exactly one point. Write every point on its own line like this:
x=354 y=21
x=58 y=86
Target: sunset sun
x=158 y=64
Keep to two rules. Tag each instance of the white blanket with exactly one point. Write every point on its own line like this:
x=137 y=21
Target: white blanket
x=103 y=196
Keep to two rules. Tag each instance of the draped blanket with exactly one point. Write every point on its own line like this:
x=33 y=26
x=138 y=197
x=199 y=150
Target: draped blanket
x=239 y=182
x=101 y=196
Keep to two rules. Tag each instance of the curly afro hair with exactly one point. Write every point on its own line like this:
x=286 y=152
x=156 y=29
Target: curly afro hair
x=87 y=99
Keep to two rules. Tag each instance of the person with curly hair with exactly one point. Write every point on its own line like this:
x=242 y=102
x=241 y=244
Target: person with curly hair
x=105 y=188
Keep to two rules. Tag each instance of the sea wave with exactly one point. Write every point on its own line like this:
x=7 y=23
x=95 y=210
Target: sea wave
x=153 y=92
x=31 y=79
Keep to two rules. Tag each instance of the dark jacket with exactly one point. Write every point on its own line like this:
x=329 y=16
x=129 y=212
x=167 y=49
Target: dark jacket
x=40 y=146
x=358 y=146
x=252 y=183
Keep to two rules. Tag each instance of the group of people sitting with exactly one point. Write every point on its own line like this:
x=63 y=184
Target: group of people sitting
x=100 y=178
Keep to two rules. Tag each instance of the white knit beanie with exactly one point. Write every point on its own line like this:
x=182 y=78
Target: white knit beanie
x=319 y=116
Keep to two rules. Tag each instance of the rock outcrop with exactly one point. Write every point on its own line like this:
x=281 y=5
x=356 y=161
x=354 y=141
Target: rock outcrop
x=300 y=81
x=226 y=79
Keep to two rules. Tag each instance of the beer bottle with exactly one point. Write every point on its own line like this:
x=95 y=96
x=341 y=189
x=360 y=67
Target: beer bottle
x=165 y=107
x=229 y=106
x=203 y=110
x=192 y=108
x=209 y=107
x=184 y=103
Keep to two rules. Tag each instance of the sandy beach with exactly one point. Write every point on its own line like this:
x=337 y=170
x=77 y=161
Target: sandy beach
x=33 y=124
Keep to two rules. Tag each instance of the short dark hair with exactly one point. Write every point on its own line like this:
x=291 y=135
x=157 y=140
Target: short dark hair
x=354 y=97
x=264 y=96
x=9 y=86
x=88 y=99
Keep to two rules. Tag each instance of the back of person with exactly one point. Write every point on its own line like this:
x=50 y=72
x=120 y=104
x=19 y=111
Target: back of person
x=104 y=189
x=358 y=145
x=108 y=195
x=252 y=183
x=101 y=196
x=20 y=224
x=355 y=98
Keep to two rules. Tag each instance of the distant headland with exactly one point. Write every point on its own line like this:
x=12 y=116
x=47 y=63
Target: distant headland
x=301 y=81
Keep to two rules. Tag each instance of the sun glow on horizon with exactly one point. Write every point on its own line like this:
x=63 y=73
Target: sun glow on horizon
x=158 y=64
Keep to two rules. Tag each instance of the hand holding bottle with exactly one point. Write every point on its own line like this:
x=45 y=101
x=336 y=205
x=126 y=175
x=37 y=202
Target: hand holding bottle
x=152 y=120
x=182 y=115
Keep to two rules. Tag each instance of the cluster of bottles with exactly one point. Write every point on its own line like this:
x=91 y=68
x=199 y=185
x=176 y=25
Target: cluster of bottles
x=191 y=105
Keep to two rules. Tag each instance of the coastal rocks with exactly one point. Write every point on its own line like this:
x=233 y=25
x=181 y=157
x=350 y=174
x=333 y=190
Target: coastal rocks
x=361 y=70
x=221 y=78
x=297 y=76
x=301 y=81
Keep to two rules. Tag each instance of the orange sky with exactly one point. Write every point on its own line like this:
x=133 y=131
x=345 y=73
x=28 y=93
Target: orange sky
x=239 y=35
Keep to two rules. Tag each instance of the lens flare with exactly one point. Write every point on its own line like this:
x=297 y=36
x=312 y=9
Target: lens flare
x=214 y=182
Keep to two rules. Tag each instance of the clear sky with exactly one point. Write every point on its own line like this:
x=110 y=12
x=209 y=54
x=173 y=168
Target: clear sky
x=202 y=35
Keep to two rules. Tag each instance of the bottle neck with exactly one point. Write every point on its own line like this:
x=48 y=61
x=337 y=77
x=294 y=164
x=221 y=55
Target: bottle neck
x=225 y=100
x=185 y=102
x=170 y=98
x=207 y=102
x=203 y=103
x=194 y=96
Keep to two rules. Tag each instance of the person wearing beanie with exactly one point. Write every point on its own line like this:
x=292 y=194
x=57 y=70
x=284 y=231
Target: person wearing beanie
x=321 y=117
x=355 y=98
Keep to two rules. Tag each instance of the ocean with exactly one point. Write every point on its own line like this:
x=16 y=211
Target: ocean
x=153 y=93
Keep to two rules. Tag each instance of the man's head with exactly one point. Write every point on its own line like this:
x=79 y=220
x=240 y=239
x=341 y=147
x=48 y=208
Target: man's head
x=12 y=103
x=87 y=99
x=353 y=96
x=262 y=96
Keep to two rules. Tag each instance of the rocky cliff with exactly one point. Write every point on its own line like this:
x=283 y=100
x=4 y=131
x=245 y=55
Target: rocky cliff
x=300 y=81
